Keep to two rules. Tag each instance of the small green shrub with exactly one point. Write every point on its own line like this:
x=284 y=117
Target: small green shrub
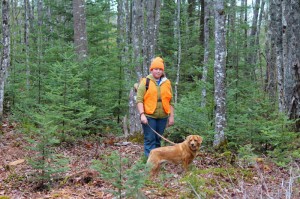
x=246 y=155
x=47 y=164
x=124 y=178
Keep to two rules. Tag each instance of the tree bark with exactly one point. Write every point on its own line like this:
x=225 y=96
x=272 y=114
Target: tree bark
x=279 y=52
x=207 y=4
x=292 y=65
x=5 y=59
x=26 y=41
x=258 y=42
x=178 y=51
x=80 y=35
x=202 y=22
x=271 y=78
x=253 y=52
x=151 y=27
x=137 y=41
x=144 y=40
x=137 y=32
x=220 y=75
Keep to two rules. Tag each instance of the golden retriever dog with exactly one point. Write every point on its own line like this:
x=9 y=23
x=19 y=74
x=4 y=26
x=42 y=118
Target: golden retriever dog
x=183 y=153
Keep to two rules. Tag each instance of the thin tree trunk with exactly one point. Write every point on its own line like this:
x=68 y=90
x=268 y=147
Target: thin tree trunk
x=253 y=52
x=191 y=16
x=202 y=22
x=26 y=41
x=206 y=11
x=245 y=21
x=178 y=51
x=262 y=7
x=5 y=59
x=279 y=53
x=270 y=56
x=220 y=75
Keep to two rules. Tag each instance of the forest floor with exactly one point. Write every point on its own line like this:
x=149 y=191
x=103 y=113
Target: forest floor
x=211 y=176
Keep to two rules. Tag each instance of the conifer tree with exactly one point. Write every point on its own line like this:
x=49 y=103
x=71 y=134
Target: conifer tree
x=65 y=106
x=47 y=164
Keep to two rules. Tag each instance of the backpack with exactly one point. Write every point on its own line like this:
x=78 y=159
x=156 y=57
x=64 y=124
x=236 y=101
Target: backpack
x=136 y=85
x=147 y=83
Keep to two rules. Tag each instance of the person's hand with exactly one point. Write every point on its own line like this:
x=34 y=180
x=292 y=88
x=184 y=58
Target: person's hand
x=144 y=119
x=171 y=121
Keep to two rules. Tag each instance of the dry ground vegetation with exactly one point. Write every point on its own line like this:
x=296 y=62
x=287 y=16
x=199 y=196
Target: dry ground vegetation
x=210 y=176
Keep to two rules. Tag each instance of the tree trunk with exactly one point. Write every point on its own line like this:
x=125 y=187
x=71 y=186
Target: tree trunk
x=144 y=39
x=191 y=16
x=178 y=51
x=5 y=59
x=80 y=35
x=123 y=46
x=202 y=22
x=245 y=10
x=26 y=41
x=253 y=52
x=258 y=42
x=270 y=56
x=207 y=4
x=137 y=31
x=279 y=52
x=137 y=39
x=220 y=75
x=292 y=65
x=151 y=28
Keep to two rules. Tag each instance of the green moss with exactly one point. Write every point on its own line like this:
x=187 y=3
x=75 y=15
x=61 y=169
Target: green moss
x=207 y=181
x=13 y=177
x=4 y=197
x=160 y=187
x=137 y=138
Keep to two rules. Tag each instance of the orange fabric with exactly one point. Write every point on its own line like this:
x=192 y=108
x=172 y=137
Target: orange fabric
x=157 y=63
x=150 y=97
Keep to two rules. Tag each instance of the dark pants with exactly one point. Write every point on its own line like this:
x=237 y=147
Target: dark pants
x=151 y=139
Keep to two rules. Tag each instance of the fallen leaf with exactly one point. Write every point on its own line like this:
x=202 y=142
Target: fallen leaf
x=14 y=163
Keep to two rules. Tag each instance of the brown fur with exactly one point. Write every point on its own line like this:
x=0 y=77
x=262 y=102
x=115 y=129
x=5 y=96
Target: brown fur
x=183 y=153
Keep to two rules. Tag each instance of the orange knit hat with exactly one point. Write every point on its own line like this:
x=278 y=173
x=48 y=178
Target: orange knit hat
x=157 y=63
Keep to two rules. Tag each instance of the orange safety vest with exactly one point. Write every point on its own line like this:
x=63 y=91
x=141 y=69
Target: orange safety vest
x=150 y=97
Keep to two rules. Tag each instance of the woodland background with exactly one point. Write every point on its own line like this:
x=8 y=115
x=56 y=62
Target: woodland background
x=68 y=70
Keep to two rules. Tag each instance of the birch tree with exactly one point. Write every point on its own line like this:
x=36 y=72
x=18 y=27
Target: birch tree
x=5 y=56
x=220 y=75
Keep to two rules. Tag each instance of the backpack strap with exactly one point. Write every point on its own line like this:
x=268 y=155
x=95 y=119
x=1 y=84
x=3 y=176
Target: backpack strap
x=147 y=83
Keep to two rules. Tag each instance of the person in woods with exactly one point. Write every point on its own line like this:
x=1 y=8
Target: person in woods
x=155 y=104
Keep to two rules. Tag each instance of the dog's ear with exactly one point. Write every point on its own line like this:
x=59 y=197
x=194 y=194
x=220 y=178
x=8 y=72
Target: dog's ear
x=188 y=137
x=199 y=139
